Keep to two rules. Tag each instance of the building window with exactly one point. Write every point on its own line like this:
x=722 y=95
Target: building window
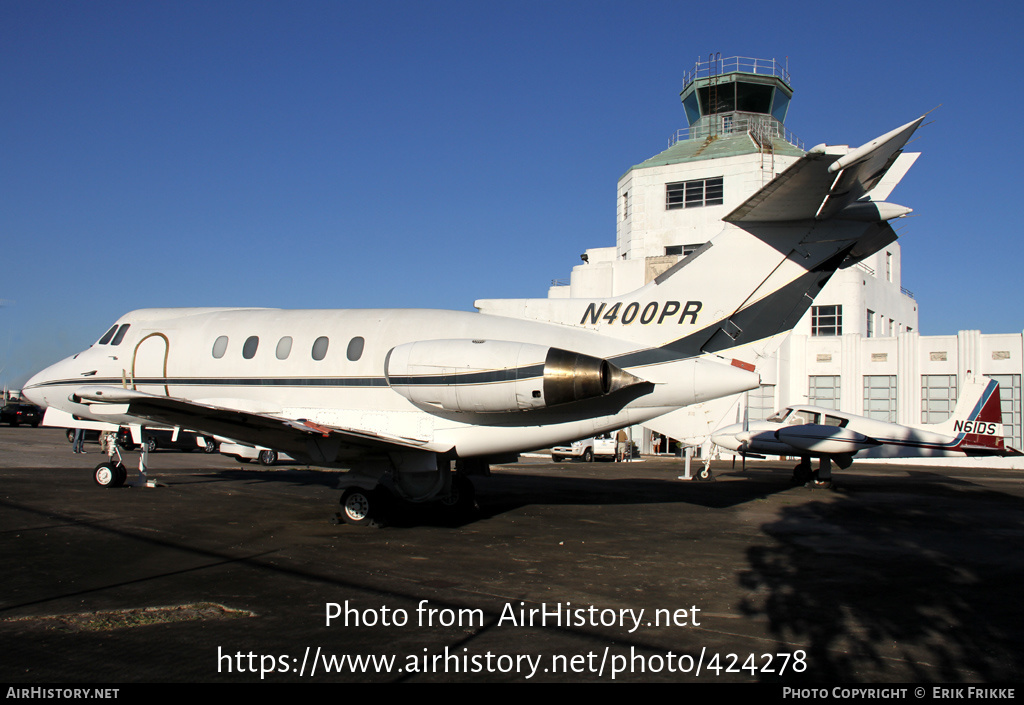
x=684 y=250
x=827 y=320
x=880 y=397
x=1009 y=400
x=761 y=402
x=694 y=194
x=888 y=266
x=871 y=324
x=823 y=390
x=625 y=204
x=938 y=397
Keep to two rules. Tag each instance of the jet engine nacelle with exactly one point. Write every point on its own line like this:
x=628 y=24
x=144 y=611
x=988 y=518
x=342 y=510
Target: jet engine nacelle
x=496 y=376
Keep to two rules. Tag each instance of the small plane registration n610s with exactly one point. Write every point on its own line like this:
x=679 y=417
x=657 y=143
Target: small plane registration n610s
x=975 y=428
x=396 y=395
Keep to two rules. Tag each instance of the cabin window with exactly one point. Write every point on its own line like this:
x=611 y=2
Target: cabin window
x=249 y=347
x=108 y=335
x=284 y=347
x=694 y=194
x=801 y=417
x=220 y=346
x=320 y=347
x=355 y=348
x=120 y=335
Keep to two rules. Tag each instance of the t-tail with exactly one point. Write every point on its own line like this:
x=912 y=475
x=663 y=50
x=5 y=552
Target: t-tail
x=751 y=282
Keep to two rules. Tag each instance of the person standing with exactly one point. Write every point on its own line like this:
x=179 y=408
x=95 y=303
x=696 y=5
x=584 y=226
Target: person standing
x=79 y=441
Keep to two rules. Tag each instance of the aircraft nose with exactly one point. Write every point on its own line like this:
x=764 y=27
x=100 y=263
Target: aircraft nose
x=37 y=390
x=32 y=389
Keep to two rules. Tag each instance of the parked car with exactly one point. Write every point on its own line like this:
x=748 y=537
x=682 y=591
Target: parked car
x=17 y=413
x=164 y=439
x=245 y=453
x=589 y=449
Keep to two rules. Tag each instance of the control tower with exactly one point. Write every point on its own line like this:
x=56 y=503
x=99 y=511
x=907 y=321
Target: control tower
x=737 y=96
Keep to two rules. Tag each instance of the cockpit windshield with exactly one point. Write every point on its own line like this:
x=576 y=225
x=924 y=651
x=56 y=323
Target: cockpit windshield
x=115 y=335
x=779 y=416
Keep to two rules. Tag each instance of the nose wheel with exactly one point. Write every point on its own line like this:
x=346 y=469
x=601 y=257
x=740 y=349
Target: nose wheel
x=110 y=474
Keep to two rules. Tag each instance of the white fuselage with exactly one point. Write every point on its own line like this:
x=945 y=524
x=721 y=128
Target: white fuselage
x=330 y=367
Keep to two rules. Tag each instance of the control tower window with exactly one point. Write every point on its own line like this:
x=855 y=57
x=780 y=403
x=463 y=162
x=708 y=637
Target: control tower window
x=694 y=194
x=827 y=320
x=753 y=98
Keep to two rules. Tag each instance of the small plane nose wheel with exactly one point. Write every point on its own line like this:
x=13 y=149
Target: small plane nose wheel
x=110 y=474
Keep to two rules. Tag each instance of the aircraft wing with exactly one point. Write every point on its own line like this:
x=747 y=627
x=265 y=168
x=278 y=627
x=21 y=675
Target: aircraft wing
x=821 y=185
x=299 y=438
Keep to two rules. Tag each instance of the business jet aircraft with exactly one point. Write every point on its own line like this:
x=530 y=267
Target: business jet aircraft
x=975 y=428
x=395 y=395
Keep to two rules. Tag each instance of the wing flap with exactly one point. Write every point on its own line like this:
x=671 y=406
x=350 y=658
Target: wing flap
x=300 y=438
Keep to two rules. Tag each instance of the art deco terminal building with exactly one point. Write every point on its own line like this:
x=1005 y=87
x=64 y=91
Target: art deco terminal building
x=858 y=348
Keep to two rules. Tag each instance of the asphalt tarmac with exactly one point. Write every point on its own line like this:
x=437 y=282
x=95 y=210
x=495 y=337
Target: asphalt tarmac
x=568 y=572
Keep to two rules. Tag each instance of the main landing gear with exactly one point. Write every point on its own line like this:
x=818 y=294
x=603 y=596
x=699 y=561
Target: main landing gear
x=363 y=507
x=815 y=479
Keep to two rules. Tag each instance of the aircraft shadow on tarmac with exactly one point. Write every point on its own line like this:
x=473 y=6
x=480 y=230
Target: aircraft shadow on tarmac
x=894 y=583
x=509 y=491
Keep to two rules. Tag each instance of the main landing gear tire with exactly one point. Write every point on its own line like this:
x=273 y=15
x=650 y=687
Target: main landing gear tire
x=802 y=473
x=815 y=483
x=268 y=457
x=110 y=474
x=462 y=500
x=703 y=474
x=361 y=507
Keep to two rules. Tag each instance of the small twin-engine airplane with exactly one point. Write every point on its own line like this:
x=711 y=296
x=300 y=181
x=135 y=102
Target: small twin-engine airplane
x=975 y=428
x=396 y=395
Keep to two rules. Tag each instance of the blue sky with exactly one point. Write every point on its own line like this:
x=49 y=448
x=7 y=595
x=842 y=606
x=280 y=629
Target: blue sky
x=426 y=154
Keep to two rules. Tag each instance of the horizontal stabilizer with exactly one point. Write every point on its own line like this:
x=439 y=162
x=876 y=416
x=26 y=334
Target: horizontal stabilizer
x=821 y=185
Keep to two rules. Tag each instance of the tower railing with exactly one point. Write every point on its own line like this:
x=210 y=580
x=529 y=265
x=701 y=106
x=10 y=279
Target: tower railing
x=737 y=64
x=756 y=124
